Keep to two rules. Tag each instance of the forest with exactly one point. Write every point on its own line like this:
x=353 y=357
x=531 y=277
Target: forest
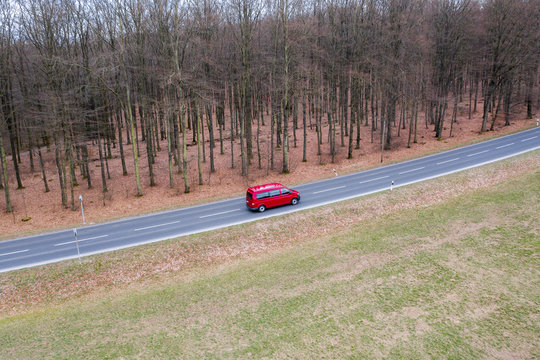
x=121 y=76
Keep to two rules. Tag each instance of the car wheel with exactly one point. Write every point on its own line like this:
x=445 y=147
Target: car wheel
x=294 y=201
x=262 y=208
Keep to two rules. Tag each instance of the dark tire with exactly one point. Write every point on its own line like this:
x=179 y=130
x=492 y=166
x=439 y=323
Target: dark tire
x=294 y=201
x=261 y=208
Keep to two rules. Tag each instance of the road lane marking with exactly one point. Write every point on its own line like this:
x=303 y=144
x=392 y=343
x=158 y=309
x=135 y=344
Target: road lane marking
x=379 y=178
x=155 y=226
x=321 y=191
x=408 y=171
x=503 y=146
x=219 y=213
x=14 y=252
x=478 y=153
x=527 y=139
x=81 y=240
x=447 y=161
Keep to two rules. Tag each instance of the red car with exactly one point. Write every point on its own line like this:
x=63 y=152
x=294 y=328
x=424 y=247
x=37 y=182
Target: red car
x=267 y=196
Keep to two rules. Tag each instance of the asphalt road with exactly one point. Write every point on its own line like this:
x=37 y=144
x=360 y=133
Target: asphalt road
x=93 y=239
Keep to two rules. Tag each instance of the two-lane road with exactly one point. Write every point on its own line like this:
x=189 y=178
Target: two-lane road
x=94 y=239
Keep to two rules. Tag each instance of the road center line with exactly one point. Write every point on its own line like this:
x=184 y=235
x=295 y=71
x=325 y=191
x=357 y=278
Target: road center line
x=408 y=171
x=155 y=226
x=503 y=146
x=447 y=161
x=14 y=252
x=219 y=213
x=379 y=178
x=81 y=240
x=478 y=153
x=325 y=190
x=527 y=139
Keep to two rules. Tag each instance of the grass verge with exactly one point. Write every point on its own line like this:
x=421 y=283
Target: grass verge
x=405 y=274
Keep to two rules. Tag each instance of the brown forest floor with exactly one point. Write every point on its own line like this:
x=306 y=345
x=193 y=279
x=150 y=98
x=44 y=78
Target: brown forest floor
x=47 y=213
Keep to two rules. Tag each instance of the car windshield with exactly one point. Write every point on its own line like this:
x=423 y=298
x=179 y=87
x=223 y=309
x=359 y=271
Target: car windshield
x=249 y=196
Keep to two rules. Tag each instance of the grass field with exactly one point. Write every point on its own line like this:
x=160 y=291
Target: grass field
x=455 y=279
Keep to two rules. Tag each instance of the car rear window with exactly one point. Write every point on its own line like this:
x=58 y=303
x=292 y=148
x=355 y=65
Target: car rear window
x=249 y=196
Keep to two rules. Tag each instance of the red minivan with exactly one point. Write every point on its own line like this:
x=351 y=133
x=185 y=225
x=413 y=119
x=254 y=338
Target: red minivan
x=266 y=196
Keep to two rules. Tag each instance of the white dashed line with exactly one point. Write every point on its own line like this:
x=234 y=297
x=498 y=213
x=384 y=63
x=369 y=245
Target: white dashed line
x=527 y=139
x=155 y=226
x=81 y=240
x=220 y=213
x=14 y=252
x=478 y=153
x=339 y=187
x=447 y=161
x=503 y=146
x=408 y=171
x=379 y=178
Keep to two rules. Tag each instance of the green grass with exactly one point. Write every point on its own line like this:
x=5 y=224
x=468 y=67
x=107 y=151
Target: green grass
x=456 y=280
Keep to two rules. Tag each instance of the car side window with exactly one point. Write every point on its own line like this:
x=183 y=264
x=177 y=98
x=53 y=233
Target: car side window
x=273 y=193
x=262 y=195
x=285 y=191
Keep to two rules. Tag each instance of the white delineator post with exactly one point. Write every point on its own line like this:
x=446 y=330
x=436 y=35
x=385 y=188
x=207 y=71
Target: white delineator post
x=77 y=244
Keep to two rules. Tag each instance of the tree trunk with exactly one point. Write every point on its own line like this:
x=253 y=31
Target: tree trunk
x=304 y=154
x=13 y=140
x=184 y=151
x=258 y=141
x=86 y=166
x=285 y=169
x=30 y=149
x=102 y=165
x=508 y=100
x=242 y=149
x=232 y=126
x=351 y=131
x=170 y=150
x=197 y=116
x=59 y=165
x=120 y=144
x=210 y=124
x=149 y=149
x=272 y=122
x=487 y=101
x=9 y=208
x=43 y=174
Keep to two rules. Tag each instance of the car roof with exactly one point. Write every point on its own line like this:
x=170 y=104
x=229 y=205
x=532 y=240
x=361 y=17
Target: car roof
x=265 y=187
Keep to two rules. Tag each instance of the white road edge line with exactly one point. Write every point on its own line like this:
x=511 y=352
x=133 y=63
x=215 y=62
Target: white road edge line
x=81 y=240
x=477 y=153
x=447 y=161
x=408 y=171
x=503 y=146
x=325 y=190
x=155 y=226
x=220 y=213
x=527 y=139
x=379 y=178
x=258 y=218
x=14 y=252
